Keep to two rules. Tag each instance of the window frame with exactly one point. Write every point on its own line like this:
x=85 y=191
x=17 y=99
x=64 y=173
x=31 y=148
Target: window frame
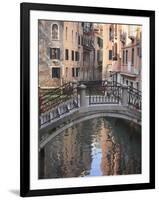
x=57 y=31
x=59 y=73
x=58 y=54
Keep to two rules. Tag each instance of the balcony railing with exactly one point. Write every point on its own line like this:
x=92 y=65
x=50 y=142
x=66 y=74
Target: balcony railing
x=131 y=70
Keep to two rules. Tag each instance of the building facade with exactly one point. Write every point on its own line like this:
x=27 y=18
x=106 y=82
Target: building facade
x=126 y=65
x=85 y=51
x=60 y=52
x=131 y=64
x=107 y=52
x=88 y=65
x=50 y=53
x=98 y=45
x=73 y=51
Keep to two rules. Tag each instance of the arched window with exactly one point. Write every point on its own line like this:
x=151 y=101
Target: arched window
x=55 y=32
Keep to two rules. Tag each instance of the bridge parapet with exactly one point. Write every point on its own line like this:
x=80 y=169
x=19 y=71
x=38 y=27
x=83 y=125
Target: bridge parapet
x=58 y=111
x=86 y=96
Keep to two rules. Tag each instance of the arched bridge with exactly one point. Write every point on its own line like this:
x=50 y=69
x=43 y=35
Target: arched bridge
x=71 y=104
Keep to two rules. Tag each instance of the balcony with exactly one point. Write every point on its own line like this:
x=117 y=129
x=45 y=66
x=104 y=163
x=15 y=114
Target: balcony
x=129 y=71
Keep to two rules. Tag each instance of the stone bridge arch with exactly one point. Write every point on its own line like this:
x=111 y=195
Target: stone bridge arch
x=83 y=114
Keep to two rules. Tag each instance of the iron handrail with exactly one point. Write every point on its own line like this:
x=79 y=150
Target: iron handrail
x=52 y=91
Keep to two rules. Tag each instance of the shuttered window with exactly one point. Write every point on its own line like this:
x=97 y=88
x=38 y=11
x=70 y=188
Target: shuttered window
x=54 y=53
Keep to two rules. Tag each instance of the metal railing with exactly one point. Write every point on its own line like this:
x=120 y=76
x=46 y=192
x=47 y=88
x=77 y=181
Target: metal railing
x=58 y=111
x=51 y=98
x=104 y=94
x=56 y=102
x=134 y=98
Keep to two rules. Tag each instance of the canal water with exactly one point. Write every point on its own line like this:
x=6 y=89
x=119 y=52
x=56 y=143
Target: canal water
x=97 y=147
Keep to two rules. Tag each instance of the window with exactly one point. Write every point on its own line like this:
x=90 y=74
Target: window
x=55 y=32
x=54 y=53
x=55 y=72
x=137 y=85
x=116 y=31
x=110 y=54
x=79 y=40
x=132 y=56
x=100 y=42
x=72 y=36
x=66 y=71
x=131 y=84
x=110 y=33
x=77 y=72
x=73 y=72
x=76 y=56
x=139 y=51
x=66 y=54
x=66 y=33
x=127 y=82
x=72 y=55
x=115 y=52
x=123 y=56
x=126 y=57
x=99 y=56
x=76 y=39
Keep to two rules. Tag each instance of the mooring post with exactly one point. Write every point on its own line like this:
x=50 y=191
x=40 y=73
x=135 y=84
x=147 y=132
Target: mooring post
x=124 y=95
x=83 y=98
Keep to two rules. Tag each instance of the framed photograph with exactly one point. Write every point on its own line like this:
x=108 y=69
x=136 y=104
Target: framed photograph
x=87 y=99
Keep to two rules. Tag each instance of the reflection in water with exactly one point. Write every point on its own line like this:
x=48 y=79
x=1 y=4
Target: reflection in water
x=98 y=147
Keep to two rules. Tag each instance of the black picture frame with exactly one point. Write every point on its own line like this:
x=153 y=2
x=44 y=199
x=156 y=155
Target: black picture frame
x=25 y=9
